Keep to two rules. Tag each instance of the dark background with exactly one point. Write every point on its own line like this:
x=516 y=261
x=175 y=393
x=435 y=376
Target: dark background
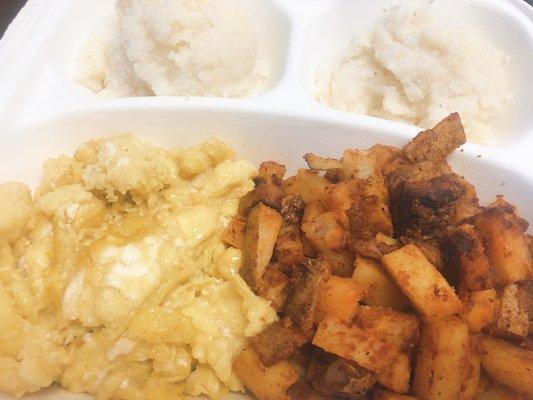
x=10 y=8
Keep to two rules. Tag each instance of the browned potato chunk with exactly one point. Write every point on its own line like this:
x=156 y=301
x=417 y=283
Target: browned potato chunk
x=430 y=248
x=374 y=340
x=512 y=319
x=505 y=244
x=380 y=394
x=272 y=172
x=234 y=232
x=366 y=164
x=339 y=298
x=380 y=289
x=292 y=209
x=262 y=227
x=278 y=341
x=289 y=246
x=397 y=375
x=334 y=376
x=498 y=393
x=440 y=370
x=437 y=143
x=342 y=262
x=465 y=247
x=339 y=197
x=266 y=383
x=266 y=193
x=321 y=163
x=274 y=286
x=325 y=231
x=420 y=281
x=508 y=364
x=302 y=303
x=369 y=216
x=307 y=184
x=480 y=309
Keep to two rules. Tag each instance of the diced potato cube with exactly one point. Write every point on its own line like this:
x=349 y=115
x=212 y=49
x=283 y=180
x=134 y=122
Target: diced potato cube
x=234 y=232
x=508 y=364
x=289 y=246
x=380 y=394
x=342 y=261
x=339 y=298
x=266 y=383
x=512 y=318
x=479 y=309
x=262 y=227
x=272 y=172
x=369 y=216
x=325 y=231
x=498 y=393
x=505 y=244
x=466 y=247
x=308 y=184
x=380 y=289
x=321 y=163
x=441 y=364
x=374 y=340
x=422 y=283
x=397 y=375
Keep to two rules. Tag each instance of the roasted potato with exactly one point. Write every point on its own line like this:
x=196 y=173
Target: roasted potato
x=262 y=227
x=440 y=371
x=321 y=163
x=307 y=184
x=505 y=244
x=380 y=394
x=325 y=231
x=233 y=235
x=369 y=216
x=512 y=319
x=464 y=245
x=397 y=375
x=374 y=340
x=480 y=309
x=341 y=261
x=339 y=298
x=380 y=289
x=266 y=383
x=420 y=281
x=289 y=245
x=508 y=364
x=292 y=209
x=272 y=173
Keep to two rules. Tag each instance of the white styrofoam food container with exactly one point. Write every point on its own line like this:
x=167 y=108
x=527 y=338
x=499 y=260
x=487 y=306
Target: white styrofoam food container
x=43 y=113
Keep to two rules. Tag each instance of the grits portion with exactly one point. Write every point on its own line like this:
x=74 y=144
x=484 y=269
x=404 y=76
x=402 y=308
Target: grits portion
x=417 y=66
x=113 y=277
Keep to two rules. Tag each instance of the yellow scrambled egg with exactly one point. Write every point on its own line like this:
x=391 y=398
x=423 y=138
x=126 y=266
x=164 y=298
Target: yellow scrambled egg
x=113 y=277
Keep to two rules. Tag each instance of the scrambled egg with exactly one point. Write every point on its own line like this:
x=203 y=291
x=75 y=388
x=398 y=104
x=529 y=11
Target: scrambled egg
x=113 y=277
